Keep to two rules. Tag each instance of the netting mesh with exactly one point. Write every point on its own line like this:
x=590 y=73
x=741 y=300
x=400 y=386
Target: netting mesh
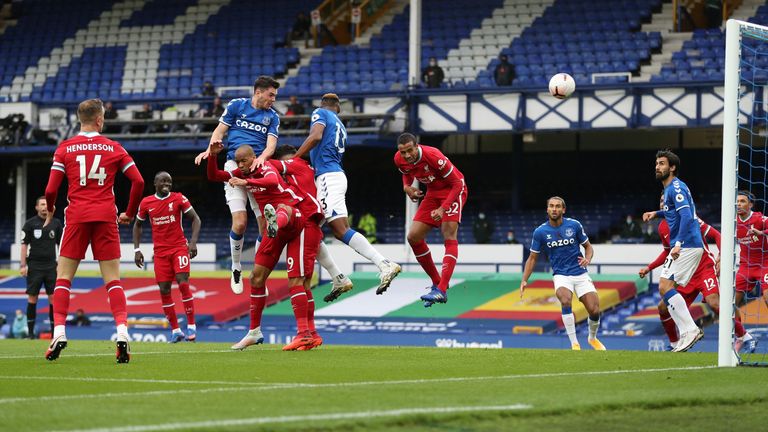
x=752 y=176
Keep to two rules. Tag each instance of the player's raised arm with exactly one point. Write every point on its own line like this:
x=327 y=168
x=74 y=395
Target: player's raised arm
x=315 y=135
x=213 y=171
x=271 y=145
x=216 y=137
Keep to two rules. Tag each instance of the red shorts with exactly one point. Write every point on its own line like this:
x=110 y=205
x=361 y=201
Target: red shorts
x=103 y=237
x=302 y=251
x=747 y=277
x=170 y=263
x=433 y=202
x=271 y=248
x=704 y=281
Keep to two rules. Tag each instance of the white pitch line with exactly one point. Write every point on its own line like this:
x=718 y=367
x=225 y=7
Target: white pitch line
x=127 y=380
x=291 y=386
x=312 y=417
x=65 y=354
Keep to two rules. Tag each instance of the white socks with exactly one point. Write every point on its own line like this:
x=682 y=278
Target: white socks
x=593 y=326
x=236 y=248
x=570 y=327
x=679 y=312
x=122 y=333
x=326 y=261
x=360 y=244
x=59 y=331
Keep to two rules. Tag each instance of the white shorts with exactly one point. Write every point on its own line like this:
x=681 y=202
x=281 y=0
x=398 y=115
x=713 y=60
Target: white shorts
x=238 y=195
x=682 y=269
x=580 y=285
x=332 y=193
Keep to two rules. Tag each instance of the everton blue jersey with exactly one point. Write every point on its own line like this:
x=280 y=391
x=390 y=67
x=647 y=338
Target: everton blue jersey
x=562 y=245
x=248 y=125
x=680 y=213
x=326 y=155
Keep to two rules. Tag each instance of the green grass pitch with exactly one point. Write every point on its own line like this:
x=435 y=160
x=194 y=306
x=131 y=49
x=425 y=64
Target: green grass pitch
x=206 y=387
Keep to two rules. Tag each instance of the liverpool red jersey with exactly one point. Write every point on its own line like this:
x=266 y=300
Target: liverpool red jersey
x=90 y=161
x=165 y=215
x=754 y=248
x=433 y=169
x=268 y=187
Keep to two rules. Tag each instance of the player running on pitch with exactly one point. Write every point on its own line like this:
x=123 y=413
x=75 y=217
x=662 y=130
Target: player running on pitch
x=560 y=239
x=441 y=208
x=164 y=209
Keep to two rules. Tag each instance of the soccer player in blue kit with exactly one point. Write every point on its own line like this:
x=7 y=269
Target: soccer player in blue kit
x=687 y=250
x=326 y=144
x=560 y=239
x=246 y=122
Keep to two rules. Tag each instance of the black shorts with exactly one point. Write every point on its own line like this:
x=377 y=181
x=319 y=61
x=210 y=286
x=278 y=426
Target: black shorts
x=37 y=276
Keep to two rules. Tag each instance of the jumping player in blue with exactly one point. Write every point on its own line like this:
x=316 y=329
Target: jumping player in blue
x=560 y=239
x=246 y=122
x=687 y=250
x=326 y=144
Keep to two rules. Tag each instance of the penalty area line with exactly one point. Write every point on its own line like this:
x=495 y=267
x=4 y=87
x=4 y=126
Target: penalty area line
x=312 y=417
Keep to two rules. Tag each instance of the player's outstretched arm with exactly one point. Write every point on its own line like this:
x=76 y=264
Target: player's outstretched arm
x=530 y=263
x=138 y=257
x=315 y=135
x=196 y=224
x=213 y=171
x=216 y=137
x=657 y=262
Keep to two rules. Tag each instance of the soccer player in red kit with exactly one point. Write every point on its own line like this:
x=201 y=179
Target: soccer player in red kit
x=164 y=209
x=90 y=163
x=292 y=223
x=704 y=281
x=751 y=234
x=441 y=207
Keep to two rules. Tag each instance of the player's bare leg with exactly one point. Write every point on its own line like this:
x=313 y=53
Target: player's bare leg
x=565 y=296
x=188 y=301
x=300 y=304
x=690 y=333
x=259 y=294
x=388 y=269
x=592 y=303
x=236 y=240
x=169 y=309
x=65 y=272
x=416 y=235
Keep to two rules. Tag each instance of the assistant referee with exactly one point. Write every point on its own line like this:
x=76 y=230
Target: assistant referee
x=38 y=260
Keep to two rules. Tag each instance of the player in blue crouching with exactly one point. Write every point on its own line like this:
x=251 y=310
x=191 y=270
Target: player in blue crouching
x=560 y=239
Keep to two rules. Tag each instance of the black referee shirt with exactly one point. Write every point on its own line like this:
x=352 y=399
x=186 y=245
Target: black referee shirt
x=41 y=241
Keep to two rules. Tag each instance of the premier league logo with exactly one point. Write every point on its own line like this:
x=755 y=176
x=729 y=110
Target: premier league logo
x=265 y=121
x=569 y=232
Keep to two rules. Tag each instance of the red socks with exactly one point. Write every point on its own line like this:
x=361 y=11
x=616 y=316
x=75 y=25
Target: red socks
x=310 y=311
x=738 y=327
x=669 y=326
x=258 y=301
x=282 y=217
x=449 y=263
x=189 y=302
x=117 y=302
x=424 y=257
x=169 y=311
x=61 y=301
x=300 y=307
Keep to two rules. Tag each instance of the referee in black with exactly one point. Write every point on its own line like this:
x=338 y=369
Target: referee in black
x=38 y=260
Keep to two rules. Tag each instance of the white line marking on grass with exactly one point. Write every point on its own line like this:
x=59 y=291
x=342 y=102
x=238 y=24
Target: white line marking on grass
x=312 y=417
x=290 y=386
x=18 y=357
x=129 y=380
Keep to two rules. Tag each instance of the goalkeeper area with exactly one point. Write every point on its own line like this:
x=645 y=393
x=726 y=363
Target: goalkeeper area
x=205 y=386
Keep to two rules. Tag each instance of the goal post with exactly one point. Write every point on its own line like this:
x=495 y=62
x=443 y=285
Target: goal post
x=725 y=353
